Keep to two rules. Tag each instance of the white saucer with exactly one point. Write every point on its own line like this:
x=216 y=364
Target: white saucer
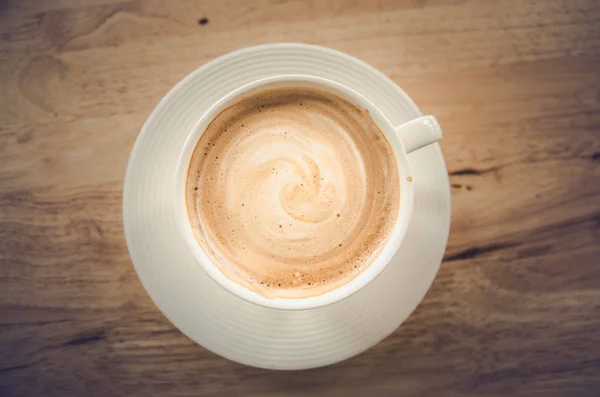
x=225 y=324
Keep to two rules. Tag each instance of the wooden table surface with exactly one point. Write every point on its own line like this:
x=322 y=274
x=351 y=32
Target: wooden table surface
x=515 y=308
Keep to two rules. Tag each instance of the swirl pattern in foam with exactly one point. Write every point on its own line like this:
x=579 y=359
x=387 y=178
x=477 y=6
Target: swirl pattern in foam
x=292 y=192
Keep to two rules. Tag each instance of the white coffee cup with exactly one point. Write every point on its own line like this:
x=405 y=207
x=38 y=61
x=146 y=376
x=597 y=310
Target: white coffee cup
x=404 y=139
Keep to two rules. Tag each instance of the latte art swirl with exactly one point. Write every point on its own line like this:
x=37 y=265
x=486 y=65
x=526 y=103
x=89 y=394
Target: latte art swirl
x=292 y=192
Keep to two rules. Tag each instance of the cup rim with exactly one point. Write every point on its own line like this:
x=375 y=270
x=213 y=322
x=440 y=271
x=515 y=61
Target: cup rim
x=390 y=247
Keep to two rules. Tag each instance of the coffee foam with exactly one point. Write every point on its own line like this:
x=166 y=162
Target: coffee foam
x=292 y=192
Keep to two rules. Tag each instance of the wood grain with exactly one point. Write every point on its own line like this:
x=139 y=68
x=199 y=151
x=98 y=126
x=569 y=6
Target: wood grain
x=515 y=308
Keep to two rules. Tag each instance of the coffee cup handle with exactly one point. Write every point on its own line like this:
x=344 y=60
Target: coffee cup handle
x=419 y=133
